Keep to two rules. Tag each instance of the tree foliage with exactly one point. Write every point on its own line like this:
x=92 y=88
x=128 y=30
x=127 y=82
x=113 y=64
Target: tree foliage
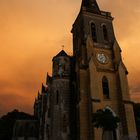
x=104 y=119
x=137 y=117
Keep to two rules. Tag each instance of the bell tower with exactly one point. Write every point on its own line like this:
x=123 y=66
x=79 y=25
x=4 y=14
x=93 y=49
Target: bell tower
x=101 y=76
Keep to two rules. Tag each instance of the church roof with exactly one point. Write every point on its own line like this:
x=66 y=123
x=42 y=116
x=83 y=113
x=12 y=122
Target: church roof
x=61 y=53
x=90 y=6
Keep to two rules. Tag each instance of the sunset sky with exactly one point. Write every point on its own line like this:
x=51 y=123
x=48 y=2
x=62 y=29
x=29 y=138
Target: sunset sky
x=33 y=31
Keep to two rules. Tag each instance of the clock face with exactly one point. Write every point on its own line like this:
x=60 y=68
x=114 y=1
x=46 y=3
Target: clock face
x=102 y=58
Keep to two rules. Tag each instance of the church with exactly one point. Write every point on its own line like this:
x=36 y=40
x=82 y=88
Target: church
x=93 y=78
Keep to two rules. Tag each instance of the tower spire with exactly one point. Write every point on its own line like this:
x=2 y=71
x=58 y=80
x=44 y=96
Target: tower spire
x=90 y=6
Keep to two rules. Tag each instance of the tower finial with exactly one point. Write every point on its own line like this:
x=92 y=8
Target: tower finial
x=63 y=47
x=90 y=6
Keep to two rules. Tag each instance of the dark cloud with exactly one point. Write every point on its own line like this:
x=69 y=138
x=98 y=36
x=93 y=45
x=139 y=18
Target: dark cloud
x=32 y=33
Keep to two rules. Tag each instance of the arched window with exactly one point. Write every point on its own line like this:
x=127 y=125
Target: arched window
x=105 y=86
x=93 y=32
x=105 y=33
x=57 y=97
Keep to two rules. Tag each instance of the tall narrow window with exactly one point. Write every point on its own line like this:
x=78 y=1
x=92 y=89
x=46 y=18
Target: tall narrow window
x=57 y=97
x=105 y=86
x=105 y=33
x=49 y=112
x=93 y=32
x=64 y=123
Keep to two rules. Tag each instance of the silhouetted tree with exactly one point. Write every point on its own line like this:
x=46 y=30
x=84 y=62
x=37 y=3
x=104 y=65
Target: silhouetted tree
x=106 y=120
x=137 y=117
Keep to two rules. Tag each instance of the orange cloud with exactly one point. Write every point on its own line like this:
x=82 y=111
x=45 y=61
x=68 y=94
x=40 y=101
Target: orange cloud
x=32 y=32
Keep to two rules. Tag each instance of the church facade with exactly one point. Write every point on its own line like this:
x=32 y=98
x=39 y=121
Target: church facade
x=95 y=77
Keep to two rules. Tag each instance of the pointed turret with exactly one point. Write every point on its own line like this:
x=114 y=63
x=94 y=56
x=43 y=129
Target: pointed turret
x=61 y=65
x=44 y=89
x=48 y=79
x=60 y=54
x=39 y=95
x=90 y=6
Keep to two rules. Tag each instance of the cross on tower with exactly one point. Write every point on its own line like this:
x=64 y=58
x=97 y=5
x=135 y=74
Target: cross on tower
x=63 y=47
